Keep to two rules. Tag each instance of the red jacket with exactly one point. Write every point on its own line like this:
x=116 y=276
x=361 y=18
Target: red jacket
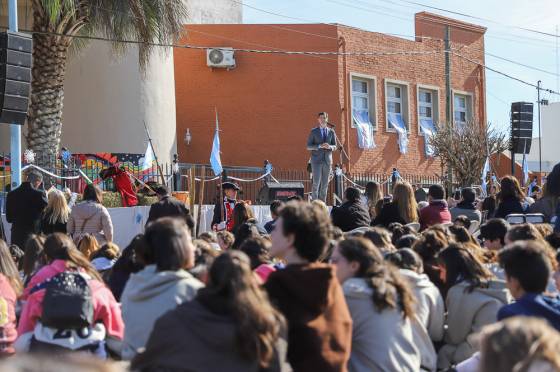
x=435 y=213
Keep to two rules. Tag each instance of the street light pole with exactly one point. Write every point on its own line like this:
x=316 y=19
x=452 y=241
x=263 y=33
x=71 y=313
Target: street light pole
x=539 y=119
x=15 y=129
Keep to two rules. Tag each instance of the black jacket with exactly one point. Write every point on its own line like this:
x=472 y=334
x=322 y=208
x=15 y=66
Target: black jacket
x=508 y=206
x=168 y=206
x=388 y=215
x=24 y=208
x=48 y=228
x=350 y=215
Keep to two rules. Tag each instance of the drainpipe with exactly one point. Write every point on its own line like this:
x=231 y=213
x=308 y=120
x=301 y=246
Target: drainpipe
x=346 y=113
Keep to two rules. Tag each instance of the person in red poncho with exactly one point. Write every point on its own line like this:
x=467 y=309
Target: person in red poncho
x=123 y=183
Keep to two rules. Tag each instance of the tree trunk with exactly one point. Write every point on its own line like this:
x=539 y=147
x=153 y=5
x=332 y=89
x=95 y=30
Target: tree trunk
x=47 y=92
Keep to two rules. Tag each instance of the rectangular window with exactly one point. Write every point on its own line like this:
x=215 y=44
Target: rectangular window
x=462 y=109
x=363 y=99
x=397 y=105
x=425 y=104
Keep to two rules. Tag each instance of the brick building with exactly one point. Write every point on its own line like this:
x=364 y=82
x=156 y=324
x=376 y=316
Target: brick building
x=268 y=103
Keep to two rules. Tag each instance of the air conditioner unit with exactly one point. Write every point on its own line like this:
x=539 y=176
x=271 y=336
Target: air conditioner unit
x=220 y=58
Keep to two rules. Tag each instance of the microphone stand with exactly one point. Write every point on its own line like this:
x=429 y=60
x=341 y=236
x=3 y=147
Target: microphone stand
x=338 y=144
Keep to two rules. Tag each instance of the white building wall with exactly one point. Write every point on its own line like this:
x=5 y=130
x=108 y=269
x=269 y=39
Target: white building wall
x=550 y=133
x=107 y=100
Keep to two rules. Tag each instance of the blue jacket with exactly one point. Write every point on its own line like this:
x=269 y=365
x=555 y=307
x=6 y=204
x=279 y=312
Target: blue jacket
x=533 y=304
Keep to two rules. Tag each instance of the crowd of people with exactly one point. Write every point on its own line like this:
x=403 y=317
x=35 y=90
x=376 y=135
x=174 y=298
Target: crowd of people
x=379 y=283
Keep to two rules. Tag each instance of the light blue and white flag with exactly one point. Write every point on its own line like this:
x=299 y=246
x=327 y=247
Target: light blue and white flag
x=364 y=129
x=428 y=129
x=525 y=170
x=485 y=171
x=397 y=122
x=149 y=158
x=215 y=160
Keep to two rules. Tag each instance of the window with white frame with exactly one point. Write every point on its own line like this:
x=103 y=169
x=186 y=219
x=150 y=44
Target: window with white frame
x=426 y=104
x=462 y=104
x=397 y=104
x=363 y=99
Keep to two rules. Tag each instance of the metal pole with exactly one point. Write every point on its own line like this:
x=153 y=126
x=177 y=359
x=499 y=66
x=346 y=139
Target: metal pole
x=15 y=130
x=448 y=110
x=539 y=118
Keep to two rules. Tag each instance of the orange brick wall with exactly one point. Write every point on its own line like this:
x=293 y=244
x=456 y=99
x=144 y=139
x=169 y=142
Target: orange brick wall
x=268 y=104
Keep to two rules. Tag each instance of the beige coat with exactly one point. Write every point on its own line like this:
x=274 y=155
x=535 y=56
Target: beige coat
x=90 y=218
x=467 y=313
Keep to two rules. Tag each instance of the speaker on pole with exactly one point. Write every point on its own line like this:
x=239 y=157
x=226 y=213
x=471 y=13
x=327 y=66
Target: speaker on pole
x=521 y=127
x=15 y=76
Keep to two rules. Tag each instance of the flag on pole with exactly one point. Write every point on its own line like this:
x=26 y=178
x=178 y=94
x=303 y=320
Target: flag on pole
x=525 y=170
x=485 y=171
x=215 y=160
x=149 y=157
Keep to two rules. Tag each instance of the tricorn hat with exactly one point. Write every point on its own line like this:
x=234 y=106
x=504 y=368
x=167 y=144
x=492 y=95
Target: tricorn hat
x=230 y=185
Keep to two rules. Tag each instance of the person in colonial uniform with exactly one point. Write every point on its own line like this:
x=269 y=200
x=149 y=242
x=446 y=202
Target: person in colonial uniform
x=223 y=220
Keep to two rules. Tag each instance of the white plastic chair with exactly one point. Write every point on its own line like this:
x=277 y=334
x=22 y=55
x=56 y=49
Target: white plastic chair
x=534 y=218
x=414 y=226
x=474 y=226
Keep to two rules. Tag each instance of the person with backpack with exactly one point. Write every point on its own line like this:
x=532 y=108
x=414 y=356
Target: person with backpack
x=91 y=217
x=68 y=307
x=160 y=286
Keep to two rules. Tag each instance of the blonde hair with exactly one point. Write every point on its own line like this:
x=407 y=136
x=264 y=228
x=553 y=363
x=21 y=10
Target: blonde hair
x=321 y=204
x=88 y=245
x=517 y=344
x=403 y=196
x=57 y=208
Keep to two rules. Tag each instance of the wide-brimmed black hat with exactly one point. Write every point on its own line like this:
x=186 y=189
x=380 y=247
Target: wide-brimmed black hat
x=230 y=185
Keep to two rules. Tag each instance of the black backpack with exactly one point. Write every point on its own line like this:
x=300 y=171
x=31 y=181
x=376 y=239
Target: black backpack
x=68 y=302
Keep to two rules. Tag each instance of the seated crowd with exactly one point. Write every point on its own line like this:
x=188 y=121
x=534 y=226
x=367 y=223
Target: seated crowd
x=376 y=284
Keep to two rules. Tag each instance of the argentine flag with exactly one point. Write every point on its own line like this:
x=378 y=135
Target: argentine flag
x=215 y=160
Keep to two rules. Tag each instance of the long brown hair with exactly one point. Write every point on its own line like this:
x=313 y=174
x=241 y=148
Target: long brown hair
x=374 y=193
x=242 y=212
x=34 y=255
x=233 y=286
x=510 y=189
x=88 y=245
x=463 y=265
x=403 y=197
x=59 y=246
x=390 y=291
x=8 y=267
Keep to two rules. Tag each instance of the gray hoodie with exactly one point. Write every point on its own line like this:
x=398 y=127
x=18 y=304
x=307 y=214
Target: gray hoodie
x=430 y=308
x=381 y=341
x=148 y=295
x=467 y=313
x=90 y=217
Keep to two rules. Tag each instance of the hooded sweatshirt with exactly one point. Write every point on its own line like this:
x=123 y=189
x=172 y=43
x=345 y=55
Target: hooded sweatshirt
x=435 y=213
x=148 y=295
x=381 y=340
x=201 y=339
x=430 y=308
x=467 y=312
x=319 y=323
x=534 y=304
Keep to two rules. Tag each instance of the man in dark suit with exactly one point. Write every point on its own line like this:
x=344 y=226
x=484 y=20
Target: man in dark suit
x=24 y=207
x=321 y=142
x=168 y=206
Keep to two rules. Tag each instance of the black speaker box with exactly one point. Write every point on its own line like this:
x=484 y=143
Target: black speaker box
x=280 y=191
x=15 y=76
x=521 y=127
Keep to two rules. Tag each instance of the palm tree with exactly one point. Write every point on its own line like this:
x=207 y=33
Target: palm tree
x=59 y=25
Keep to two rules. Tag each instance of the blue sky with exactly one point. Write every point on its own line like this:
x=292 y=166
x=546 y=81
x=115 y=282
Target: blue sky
x=396 y=16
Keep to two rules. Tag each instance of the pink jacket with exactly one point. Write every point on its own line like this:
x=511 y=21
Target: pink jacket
x=105 y=307
x=8 y=333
